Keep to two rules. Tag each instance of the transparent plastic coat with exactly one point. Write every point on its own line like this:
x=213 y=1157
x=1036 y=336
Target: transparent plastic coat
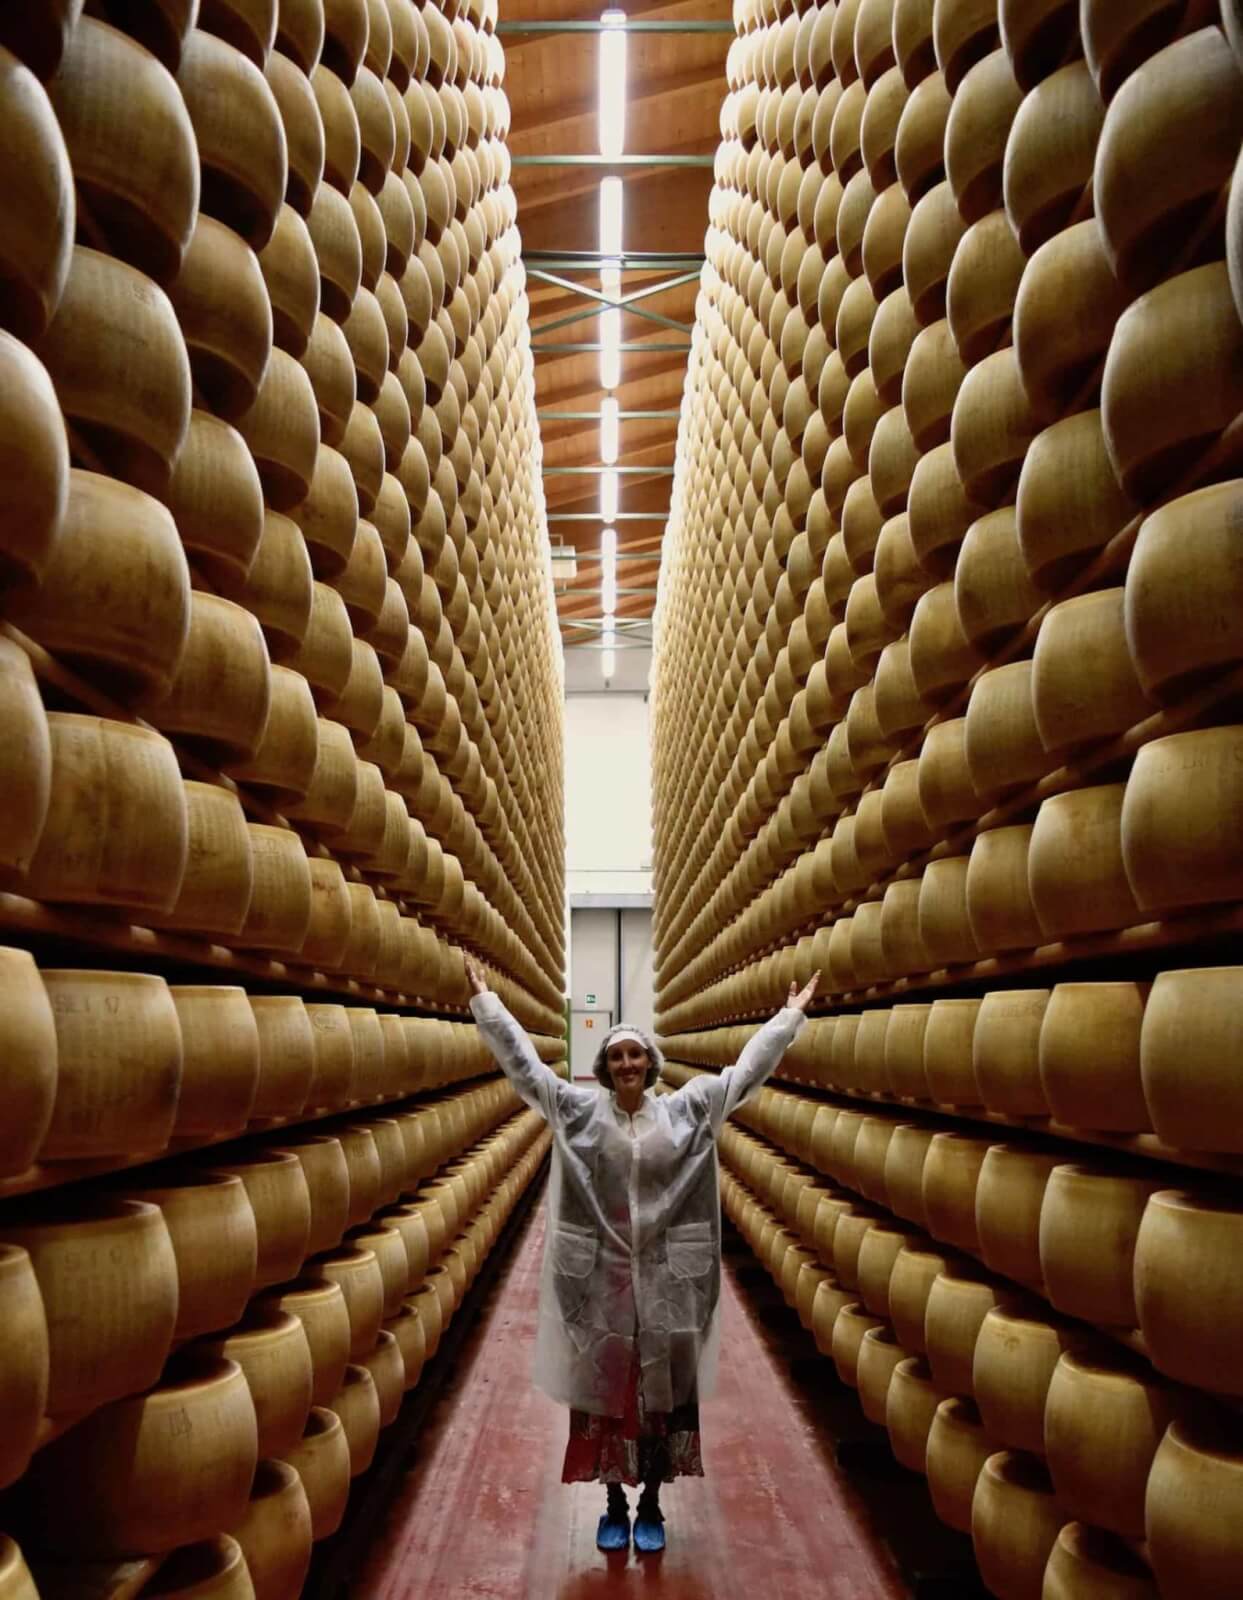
x=634 y=1222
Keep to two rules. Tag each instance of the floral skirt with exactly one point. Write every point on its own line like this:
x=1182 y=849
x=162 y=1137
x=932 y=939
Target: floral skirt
x=637 y=1447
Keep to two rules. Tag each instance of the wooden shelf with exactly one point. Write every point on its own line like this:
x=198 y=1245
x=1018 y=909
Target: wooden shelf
x=103 y=932
x=1144 y=1146
x=52 y=1428
x=1143 y=938
x=57 y=1174
x=1087 y=765
x=1140 y=939
x=1130 y=1339
x=53 y=673
x=1082 y=773
x=1087 y=769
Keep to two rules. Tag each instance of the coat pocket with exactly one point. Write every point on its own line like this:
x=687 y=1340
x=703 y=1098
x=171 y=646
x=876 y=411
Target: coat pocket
x=574 y=1252
x=690 y=1250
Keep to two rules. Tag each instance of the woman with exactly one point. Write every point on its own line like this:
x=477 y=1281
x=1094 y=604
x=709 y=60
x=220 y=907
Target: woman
x=631 y=1279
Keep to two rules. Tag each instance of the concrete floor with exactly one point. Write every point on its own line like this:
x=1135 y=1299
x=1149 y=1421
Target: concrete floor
x=482 y=1515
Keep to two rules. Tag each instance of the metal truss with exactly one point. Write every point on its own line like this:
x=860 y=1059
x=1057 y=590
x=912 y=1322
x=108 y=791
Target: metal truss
x=623 y=627
x=602 y=302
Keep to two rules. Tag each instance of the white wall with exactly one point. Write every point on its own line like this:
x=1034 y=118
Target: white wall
x=607 y=794
x=637 y=998
x=632 y=669
x=608 y=843
x=610 y=975
x=593 y=960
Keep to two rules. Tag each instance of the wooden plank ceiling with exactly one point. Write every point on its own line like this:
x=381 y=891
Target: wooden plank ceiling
x=676 y=83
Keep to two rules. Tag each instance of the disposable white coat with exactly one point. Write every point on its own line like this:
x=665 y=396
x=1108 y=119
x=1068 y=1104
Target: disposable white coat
x=634 y=1222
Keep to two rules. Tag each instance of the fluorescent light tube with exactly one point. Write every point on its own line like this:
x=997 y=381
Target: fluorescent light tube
x=610 y=351
x=608 y=430
x=611 y=204
x=611 y=112
x=608 y=565
x=610 y=330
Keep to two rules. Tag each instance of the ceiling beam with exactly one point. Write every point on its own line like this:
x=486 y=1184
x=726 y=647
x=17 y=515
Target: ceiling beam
x=645 y=379
x=631 y=25
x=640 y=444
x=676 y=82
x=645 y=456
x=608 y=163
x=594 y=416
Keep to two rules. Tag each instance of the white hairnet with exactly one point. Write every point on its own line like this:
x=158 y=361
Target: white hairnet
x=599 y=1066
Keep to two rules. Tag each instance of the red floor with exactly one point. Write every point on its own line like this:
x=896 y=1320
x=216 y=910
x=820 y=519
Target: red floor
x=483 y=1514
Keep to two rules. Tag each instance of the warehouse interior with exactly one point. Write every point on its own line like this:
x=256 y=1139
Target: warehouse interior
x=647 y=506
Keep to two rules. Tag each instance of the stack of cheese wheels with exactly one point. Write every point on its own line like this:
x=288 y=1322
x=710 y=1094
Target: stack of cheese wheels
x=280 y=697
x=946 y=697
x=280 y=498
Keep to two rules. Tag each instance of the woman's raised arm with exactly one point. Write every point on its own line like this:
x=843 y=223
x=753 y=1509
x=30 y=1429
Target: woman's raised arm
x=722 y=1093
x=534 y=1080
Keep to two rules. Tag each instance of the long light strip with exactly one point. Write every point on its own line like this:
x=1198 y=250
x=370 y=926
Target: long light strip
x=611 y=101
x=611 y=204
x=612 y=135
x=609 y=427
x=608 y=566
x=610 y=330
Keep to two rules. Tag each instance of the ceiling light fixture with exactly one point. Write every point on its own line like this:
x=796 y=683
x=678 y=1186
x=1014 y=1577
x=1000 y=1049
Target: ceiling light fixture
x=608 y=494
x=608 y=656
x=610 y=330
x=608 y=567
x=608 y=429
x=611 y=206
x=611 y=113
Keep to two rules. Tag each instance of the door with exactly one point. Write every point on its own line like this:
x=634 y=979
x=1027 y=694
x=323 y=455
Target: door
x=587 y=1028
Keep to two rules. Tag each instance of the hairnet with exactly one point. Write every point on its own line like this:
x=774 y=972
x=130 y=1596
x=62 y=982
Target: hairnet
x=600 y=1068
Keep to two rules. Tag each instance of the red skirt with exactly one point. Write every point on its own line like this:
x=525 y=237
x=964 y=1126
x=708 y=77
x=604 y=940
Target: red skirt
x=637 y=1447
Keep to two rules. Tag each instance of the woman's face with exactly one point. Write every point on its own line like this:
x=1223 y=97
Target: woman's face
x=627 y=1063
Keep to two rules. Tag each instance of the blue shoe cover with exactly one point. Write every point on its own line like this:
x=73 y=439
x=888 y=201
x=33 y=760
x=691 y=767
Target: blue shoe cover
x=613 y=1533
x=649 y=1532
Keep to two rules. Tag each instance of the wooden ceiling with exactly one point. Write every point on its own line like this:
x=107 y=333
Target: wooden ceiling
x=676 y=83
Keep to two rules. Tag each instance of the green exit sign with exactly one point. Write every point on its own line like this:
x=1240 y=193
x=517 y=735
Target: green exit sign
x=591 y=999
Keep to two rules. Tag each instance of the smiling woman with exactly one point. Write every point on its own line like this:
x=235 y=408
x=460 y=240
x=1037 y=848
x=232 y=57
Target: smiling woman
x=627 y=1062
x=628 y=1325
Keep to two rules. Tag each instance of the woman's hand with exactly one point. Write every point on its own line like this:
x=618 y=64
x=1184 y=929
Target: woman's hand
x=474 y=974
x=800 y=999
